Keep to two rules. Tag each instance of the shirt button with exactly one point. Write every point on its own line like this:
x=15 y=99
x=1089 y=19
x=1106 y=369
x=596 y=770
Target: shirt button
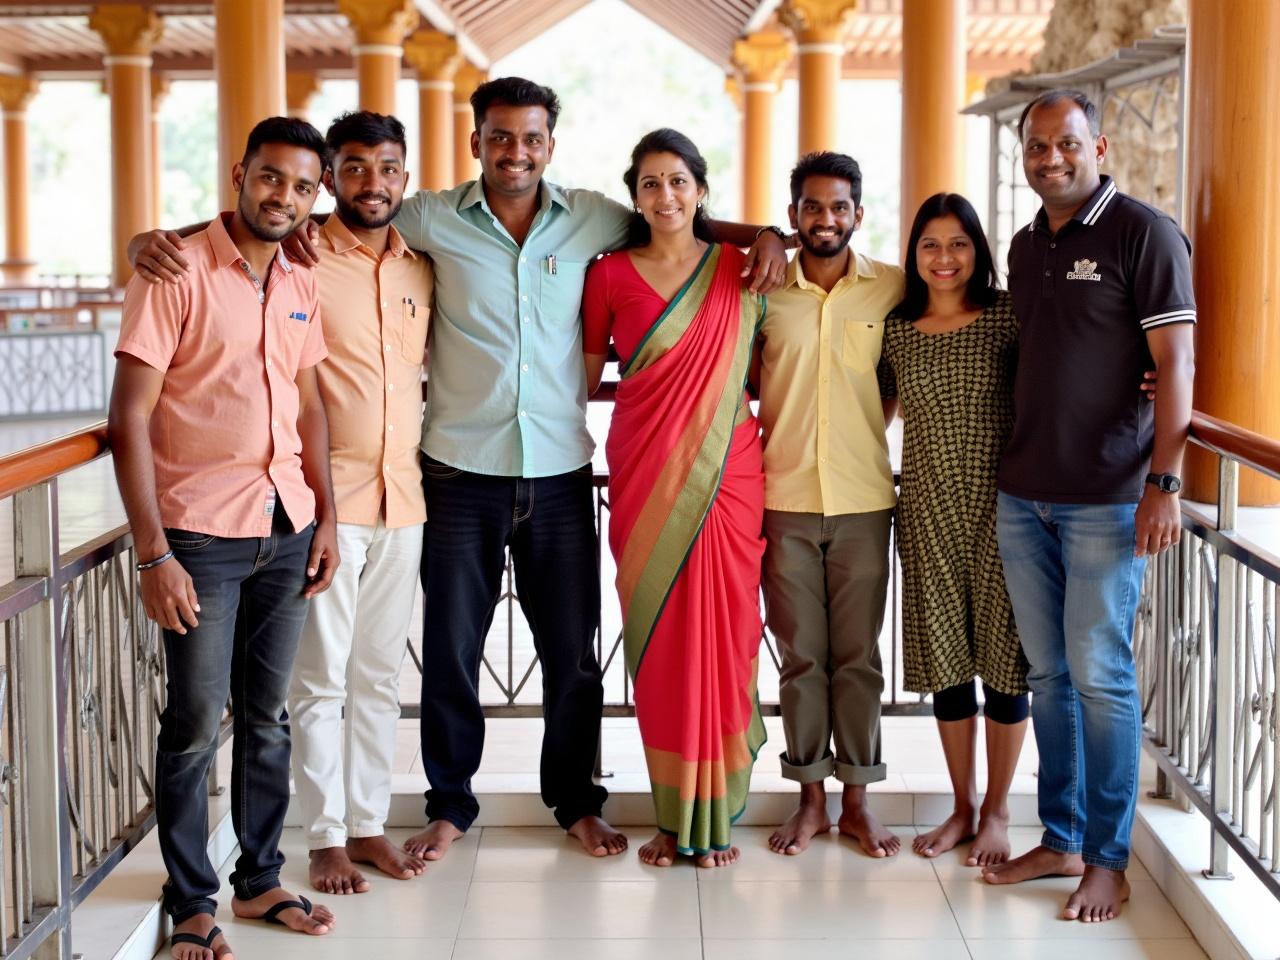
x=390 y=387
x=275 y=423
x=524 y=296
x=384 y=303
x=523 y=414
x=524 y=319
x=386 y=347
x=524 y=367
x=268 y=363
x=824 y=459
x=1048 y=273
x=524 y=259
x=824 y=421
x=1053 y=246
x=391 y=428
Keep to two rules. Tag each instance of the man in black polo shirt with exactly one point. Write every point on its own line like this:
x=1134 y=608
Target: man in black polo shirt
x=1089 y=483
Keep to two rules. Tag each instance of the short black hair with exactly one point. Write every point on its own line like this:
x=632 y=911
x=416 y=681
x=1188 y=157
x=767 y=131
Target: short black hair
x=515 y=92
x=1049 y=98
x=825 y=163
x=287 y=130
x=666 y=140
x=982 y=286
x=365 y=128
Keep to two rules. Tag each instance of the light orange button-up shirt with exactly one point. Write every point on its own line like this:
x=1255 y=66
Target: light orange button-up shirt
x=824 y=444
x=224 y=433
x=376 y=318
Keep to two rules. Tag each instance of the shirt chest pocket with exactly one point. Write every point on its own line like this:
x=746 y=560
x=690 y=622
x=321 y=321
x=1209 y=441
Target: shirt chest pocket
x=292 y=334
x=414 y=323
x=560 y=290
x=862 y=342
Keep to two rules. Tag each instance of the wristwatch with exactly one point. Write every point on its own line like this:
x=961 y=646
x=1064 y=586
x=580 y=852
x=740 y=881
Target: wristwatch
x=1165 y=482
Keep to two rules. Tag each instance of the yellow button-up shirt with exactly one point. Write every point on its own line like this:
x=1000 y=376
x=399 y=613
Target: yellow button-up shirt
x=824 y=444
x=376 y=321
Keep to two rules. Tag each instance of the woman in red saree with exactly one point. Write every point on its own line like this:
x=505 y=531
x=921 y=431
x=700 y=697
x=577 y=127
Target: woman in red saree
x=686 y=496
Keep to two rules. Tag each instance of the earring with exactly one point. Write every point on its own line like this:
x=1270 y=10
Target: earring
x=699 y=204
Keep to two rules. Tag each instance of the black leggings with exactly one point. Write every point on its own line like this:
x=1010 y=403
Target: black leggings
x=961 y=702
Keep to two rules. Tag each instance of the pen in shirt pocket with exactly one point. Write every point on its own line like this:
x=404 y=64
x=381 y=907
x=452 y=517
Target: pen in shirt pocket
x=410 y=309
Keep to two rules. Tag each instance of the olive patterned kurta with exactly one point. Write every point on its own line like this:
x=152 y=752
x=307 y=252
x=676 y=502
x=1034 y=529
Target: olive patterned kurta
x=956 y=393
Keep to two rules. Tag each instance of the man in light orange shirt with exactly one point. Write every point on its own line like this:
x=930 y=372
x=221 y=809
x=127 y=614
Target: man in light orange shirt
x=221 y=451
x=375 y=294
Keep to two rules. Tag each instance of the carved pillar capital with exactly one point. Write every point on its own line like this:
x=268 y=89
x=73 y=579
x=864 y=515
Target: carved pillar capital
x=379 y=22
x=299 y=87
x=818 y=21
x=434 y=55
x=763 y=56
x=127 y=29
x=16 y=93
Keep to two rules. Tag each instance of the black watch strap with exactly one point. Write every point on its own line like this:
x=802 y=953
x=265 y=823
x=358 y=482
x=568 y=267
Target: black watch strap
x=1165 y=482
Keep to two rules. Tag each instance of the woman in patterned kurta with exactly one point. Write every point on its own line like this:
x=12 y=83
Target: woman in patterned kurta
x=949 y=354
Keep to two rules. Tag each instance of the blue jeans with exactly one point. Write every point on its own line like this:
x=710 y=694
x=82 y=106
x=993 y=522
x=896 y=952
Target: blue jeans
x=548 y=525
x=1074 y=582
x=251 y=615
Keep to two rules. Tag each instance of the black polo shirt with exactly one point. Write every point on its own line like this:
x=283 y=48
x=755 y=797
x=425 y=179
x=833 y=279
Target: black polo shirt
x=1085 y=298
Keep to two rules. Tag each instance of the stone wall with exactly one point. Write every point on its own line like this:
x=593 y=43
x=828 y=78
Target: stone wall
x=1081 y=31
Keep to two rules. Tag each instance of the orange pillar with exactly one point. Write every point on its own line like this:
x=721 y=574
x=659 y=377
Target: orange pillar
x=380 y=27
x=435 y=56
x=762 y=57
x=819 y=26
x=933 y=90
x=248 y=66
x=1233 y=99
x=15 y=95
x=299 y=87
x=465 y=81
x=128 y=30
x=733 y=90
x=159 y=90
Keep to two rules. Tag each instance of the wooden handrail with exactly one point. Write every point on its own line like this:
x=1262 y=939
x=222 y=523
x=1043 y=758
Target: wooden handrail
x=54 y=457
x=1253 y=450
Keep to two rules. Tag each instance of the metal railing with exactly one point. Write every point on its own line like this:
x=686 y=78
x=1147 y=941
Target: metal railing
x=82 y=686
x=1206 y=649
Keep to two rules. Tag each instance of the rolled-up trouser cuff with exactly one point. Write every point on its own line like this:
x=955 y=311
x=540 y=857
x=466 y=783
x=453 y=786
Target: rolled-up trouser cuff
x=809 y=772
x=256 y=886
x=1094 y=861
x=853 y=776
x=326 y=839
x=1061 y=846
x=180 y=913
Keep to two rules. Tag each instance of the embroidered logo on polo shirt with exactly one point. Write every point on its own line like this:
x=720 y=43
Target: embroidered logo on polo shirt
x=1085 y=270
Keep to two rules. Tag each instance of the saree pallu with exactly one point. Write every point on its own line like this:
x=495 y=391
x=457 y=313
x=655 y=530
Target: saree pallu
x=686 y=494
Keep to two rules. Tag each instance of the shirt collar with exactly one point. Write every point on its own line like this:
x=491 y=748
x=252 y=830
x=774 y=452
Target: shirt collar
x=859 y=266
x=344 y=241
x=1090 y=211
x=548 y=194
x=225 y=252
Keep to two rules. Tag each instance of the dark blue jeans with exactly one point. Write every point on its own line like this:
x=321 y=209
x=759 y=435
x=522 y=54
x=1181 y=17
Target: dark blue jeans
x=251 y=614
x=548 y=525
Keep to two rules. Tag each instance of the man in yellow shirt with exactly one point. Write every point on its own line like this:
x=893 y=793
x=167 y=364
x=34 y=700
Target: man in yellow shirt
x=829 y=500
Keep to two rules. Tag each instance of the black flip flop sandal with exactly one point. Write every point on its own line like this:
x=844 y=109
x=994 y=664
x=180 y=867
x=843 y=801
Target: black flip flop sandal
x=273 y=915
x=197 y=940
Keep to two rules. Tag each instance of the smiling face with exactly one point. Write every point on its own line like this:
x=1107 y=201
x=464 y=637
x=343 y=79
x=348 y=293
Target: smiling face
x=514 y=146
x=945 y=255
x=1060 y=155
x=667 y=194
x=277 y=189
x=367 y=183
x=826 y=216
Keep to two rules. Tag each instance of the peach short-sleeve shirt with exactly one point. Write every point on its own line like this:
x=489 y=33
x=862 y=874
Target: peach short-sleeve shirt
x=224 y=433
x=376 y=317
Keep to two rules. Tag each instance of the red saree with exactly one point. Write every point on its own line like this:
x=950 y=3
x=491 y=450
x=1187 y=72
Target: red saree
x=686 y=507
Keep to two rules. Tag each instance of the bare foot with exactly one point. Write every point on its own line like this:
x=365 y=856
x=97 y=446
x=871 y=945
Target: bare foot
x=957 y=828
x=1098 y=897
x=660 y=851
x=718 y=858
x=809 y=820
x=991 y=845
x=598 y=838
x=857 y=822
x=433 y=842
x=1034 y=864
x=331 y=871
x=382 y=853
x=200 y=925
x=316 y=923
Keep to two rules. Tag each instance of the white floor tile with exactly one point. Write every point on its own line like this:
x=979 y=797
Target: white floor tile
x=1033 y=911
x=556 y=909
x=826 y=910
x=577 y=950
x=329 y=948
x=951 y=865
x=829 y=857
x=1099 y=950
x=538 y=854
x=403 y=911
x=836 y=949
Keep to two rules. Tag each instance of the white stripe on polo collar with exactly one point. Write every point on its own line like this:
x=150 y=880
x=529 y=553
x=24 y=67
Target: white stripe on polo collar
x=1091 y=217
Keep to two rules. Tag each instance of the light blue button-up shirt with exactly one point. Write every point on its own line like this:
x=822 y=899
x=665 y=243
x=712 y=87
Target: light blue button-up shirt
x=507 y=393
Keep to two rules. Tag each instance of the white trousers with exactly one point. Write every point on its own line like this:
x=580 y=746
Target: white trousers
x=349 y=658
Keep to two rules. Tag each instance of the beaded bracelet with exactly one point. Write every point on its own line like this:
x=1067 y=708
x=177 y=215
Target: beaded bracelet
x=167 y=555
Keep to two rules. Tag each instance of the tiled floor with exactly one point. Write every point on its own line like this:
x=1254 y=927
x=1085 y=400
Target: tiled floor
x=531 y=893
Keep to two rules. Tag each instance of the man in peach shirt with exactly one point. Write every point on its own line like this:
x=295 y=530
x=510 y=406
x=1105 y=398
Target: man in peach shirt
x=375 y=294
x=221 y=451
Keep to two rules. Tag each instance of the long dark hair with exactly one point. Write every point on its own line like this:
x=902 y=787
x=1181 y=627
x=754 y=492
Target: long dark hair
x=666 y=140
x=983 y=285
